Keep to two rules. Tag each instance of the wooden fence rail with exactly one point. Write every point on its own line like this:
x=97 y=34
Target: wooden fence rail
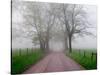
x=20 y=51
x=92 y=56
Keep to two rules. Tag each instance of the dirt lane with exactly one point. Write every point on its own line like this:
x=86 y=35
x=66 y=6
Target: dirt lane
x=54 y=62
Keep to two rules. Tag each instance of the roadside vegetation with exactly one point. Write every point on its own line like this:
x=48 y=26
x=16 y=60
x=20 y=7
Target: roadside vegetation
x=46 y=24
x=22 y=59
x=86 y=58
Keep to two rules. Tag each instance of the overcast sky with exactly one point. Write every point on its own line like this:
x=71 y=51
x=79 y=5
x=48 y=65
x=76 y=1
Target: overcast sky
x=80 y=42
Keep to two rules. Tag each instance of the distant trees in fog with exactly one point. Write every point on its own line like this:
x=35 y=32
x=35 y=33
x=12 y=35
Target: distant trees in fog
x=46 y=20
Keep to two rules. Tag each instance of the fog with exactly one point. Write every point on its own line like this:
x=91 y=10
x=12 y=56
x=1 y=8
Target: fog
x=79 y=42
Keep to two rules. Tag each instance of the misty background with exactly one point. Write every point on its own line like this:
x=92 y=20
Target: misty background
x=21 y=40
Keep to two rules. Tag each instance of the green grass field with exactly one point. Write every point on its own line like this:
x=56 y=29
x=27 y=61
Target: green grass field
x=85 y=58
x=23 y=60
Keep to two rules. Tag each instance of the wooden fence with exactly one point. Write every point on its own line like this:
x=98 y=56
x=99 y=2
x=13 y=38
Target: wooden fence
x=92 y=54
x=20 y=52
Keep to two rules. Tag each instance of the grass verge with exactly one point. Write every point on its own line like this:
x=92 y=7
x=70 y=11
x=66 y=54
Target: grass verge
x=85 y=58
x=22 y=62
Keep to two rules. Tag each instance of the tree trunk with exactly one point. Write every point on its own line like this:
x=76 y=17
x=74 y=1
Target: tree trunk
x=42 y=46
x=70 y=44
x=47 y=44
x=66 y=43
x=47 y=40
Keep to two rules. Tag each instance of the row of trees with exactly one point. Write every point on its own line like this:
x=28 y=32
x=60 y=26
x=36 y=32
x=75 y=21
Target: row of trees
x=44 y=20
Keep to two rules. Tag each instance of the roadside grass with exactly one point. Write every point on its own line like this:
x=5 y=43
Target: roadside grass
x=85 y=58
x=21 y=62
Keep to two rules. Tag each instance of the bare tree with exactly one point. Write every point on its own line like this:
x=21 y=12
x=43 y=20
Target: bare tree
x=44 y=19
x=39 y=19
x=75 y=22
x=74 y=18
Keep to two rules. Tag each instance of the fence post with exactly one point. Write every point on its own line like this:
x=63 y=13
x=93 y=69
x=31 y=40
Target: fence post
x=20 y=52
x=92 y=56
x=32 y=50
x=84 y=53
x=79 y=52
x=96 y=57
x=27 y=51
